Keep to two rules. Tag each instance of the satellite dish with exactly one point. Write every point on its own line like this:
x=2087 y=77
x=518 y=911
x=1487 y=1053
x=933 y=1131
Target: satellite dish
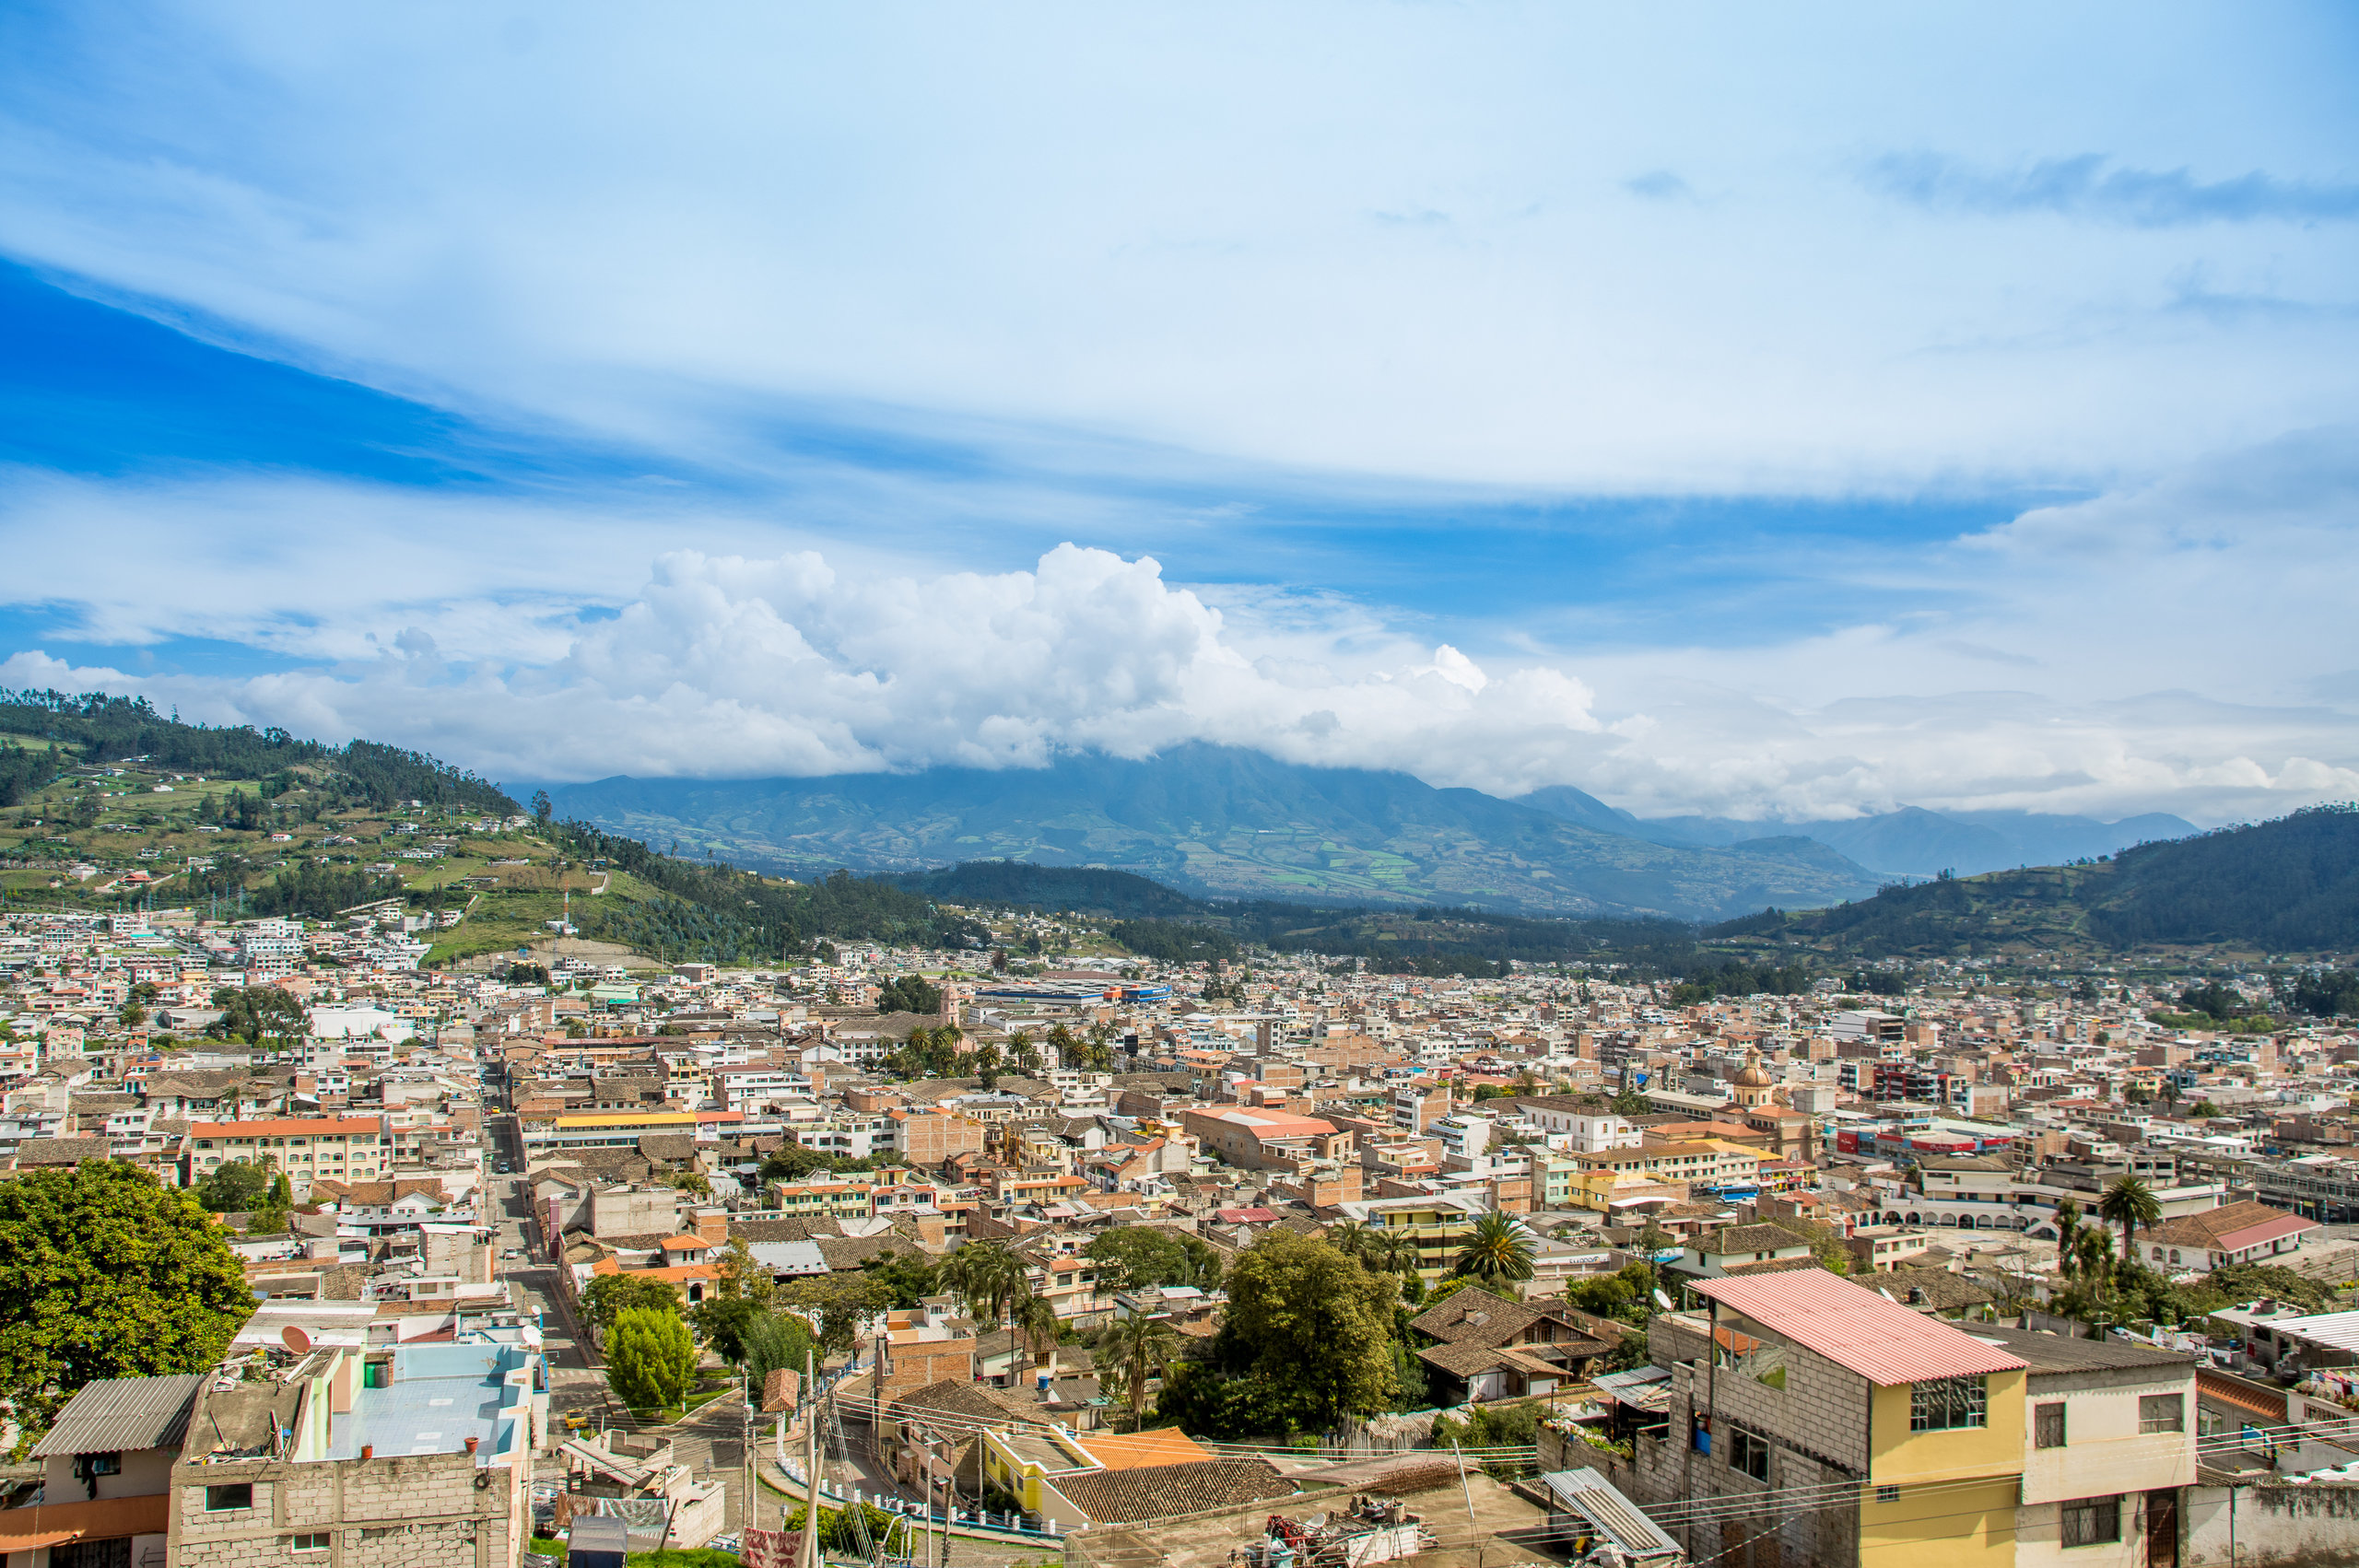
x=1662 y=1301
x=295 y=1340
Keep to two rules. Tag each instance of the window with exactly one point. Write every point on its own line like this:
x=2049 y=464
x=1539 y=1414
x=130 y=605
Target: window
x=1887 y=1495
x=315 y=1540
x=2092 y=1521
x=2048 y=1426
x=2162 y=1412
x=1947 y=1404
x=1749 y=1452
x=219 y=1498
x=102 y=1464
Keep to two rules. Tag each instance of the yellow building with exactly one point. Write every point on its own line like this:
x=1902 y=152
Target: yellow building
x=1903 y=1433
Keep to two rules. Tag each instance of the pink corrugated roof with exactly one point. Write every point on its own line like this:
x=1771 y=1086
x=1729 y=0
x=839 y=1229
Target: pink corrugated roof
x=1879 y=1338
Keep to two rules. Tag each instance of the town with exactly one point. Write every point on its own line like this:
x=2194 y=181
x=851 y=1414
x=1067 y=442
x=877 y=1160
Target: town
x=1038 y=1248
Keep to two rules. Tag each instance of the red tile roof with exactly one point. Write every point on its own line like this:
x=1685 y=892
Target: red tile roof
x=1881 y=1339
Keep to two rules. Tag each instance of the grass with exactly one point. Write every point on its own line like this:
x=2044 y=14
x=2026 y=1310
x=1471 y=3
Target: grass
x=678 y=1557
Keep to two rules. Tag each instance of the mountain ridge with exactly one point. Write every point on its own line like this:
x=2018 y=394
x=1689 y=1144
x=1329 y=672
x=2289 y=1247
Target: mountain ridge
x=1225 y=821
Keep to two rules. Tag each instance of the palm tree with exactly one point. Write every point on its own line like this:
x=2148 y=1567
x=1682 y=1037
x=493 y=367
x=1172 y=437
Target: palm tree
x=987 y=1277
x=2130 y=1203
x=1036 y=1325
x=1349 y=1237
x=1135 y=1349
x=1497 y=1254
x=1389 y=1251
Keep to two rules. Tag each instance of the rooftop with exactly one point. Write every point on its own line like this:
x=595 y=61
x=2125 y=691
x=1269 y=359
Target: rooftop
x=121 y=1414
x=1880 y=1340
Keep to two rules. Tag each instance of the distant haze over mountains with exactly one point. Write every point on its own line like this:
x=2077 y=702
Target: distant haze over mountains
x=1224 y=820
x=1908 y=842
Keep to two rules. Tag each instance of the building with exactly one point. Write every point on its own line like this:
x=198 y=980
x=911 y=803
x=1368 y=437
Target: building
x=2110 y=1451
x=106 y=1474
x=346 y=1147
x=1801 y=1379
x=2234 y=1233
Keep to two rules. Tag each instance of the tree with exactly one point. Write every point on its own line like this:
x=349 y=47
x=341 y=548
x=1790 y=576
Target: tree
x=2130 y=1203
x=1311 y=1325
x=1135 y=1349
x=256 y=1013
x=608 y=1296
x=238 y=1188
x=1036 y=1324
x=651 y=1359
x=792 y=1161
x=1632 y=1102
x=908 y=1276
x=106 y=1273
x=2202 y=1109
x=724 y=1320
x=774 y=1340
x=1135 y=1256
x=1389 y=1250
x=543 y=807
x=987 y=1277
x=1497 y=1254
x=839 y=1307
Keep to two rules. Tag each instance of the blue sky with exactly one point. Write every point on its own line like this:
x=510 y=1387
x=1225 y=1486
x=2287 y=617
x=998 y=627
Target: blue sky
x=1770 y=417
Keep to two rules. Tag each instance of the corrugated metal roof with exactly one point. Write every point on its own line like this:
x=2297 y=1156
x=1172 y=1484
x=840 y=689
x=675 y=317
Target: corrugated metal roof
x=1589 y=1495
x=124 y=1414
x=1880 y=1340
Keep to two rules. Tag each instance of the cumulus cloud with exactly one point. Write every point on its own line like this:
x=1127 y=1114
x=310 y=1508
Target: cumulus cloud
x=726 y=665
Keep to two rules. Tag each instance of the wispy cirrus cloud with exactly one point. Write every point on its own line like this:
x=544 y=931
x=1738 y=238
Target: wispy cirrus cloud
x=2086 y=187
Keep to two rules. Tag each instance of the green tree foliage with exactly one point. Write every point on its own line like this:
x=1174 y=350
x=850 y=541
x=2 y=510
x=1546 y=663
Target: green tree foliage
x=840 y=1537
x=1134 y=1351
x=755 y=916
x=909 y=993
x=839 y=1307
x=114 y=729
x=651 y=1359
x=1173 y=941
x=2130 y=1203
x=773 y=1340
x=1496 y=1255
x=320 y=891
x=2291 y=884
x=608 y=1296
x=1135 y=1256
x=256 y=1013
x=106 y=1273
x=25 y=771
x=1311 y=1328
x=724 y=1322
x=237 y=1187
x=906 y=1275
x=2321 y=993
x=988 y=1277
x=1491 y=1426
x=1735 y=976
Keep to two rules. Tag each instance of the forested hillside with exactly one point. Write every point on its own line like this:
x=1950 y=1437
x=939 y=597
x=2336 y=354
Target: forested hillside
x=112 y=729
x=2287 y=886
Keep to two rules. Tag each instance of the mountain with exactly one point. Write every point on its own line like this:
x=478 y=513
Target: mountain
x=2287 y=886
x=1218 y=820
x=1911 y=841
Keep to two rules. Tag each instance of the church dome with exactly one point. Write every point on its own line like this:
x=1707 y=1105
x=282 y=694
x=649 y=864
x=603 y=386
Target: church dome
x=1754 y=1076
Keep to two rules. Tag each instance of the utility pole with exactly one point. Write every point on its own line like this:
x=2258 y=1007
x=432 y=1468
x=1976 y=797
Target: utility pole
x=808 y=1549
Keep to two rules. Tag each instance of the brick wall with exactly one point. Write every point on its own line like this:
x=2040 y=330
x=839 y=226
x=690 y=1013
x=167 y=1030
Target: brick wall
x=381 y=1512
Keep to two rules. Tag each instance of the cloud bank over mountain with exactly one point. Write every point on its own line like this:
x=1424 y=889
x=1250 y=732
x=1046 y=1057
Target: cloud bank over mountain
x=1784 y=419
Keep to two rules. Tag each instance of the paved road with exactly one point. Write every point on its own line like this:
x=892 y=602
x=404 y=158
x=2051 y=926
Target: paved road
x=710 y=1440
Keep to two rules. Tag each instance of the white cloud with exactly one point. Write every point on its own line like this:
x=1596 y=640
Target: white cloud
x=1173 y=226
